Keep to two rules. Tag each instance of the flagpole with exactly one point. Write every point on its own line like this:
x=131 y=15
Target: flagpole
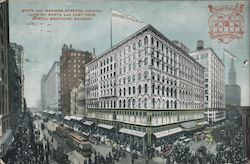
x=110 y=27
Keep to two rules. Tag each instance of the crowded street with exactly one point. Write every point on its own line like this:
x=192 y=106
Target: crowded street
x=37 y=144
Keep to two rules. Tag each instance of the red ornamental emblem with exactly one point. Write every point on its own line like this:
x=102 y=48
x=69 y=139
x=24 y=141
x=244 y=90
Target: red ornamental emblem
x=226 y=22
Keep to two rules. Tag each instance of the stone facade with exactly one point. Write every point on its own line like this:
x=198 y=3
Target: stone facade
x=19 y=59
x=51 y=88
x=147 y=84
x=77 y=100
x=214 y=100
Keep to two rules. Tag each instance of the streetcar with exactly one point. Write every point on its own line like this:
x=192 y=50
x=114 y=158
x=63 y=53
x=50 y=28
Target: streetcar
x=80 y=143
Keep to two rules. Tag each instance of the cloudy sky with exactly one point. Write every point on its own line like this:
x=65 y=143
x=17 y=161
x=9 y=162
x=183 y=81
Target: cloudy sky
x=186 y=21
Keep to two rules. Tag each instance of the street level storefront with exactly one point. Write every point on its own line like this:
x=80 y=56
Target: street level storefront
x=149 y=125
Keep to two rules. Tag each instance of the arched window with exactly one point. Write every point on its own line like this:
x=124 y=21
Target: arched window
x=139 y=89
x=153 y=89
x=158 y=77
x=158 y=103
x=129 y=103
x=171 y=104
x=152 y=40
x=145 y=103
x=114 y=104
x=145 y=75
x=133 y=103
x=120 y=91
x=124 y=91
x=139 y=103
x=153 y=102
x=139 y=43
x=158 y=90
x=163 y=79
x=145 y=88
x=104 y=104
x=167 y=104
x=124 y=80
x=171 y=92
x=146 y=40
x=133 y=89
x=124 y=103
x=129 y=90
x=163 y=90
x=157 y=44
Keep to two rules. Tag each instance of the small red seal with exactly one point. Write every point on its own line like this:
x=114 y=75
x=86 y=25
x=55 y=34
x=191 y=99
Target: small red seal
x=226 y=22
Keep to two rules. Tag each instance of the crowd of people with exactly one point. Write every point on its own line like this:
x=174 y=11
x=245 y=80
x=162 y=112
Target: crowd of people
x=111 y=157
x=26 y=149
x=229 y=151
x=128 y=142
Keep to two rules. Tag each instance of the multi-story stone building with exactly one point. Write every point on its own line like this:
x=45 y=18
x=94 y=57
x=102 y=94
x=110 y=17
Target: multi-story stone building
x=145 y=86
x=5 y=132
x=233 y=91
x=51 y=88
x=71 y=70
x=19 y=59
x=15 y=89
x=43 y=92
x=214 y=99
x=77 y=100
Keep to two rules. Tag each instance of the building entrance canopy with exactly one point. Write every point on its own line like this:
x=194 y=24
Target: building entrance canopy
x=168 y=132
x=88 y=123
x=105 y=126
x=132 y=132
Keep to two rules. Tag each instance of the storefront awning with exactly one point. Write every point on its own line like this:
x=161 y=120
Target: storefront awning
x=189 y=125
x=105 y=126
x=67 y=118
x=88 y=123
x=167 y=132
x=132 y=132
x=203 y=123
x=77 y=118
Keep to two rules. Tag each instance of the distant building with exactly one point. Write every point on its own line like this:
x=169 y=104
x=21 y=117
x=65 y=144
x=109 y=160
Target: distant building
x=233 y=90
x=214 y=100
x=5 y=131
x=51 y=88
x=245 y=114
x=146 y=86
x=72 y=69
x=43 y=92
x=19 y=59
x=77 y=100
